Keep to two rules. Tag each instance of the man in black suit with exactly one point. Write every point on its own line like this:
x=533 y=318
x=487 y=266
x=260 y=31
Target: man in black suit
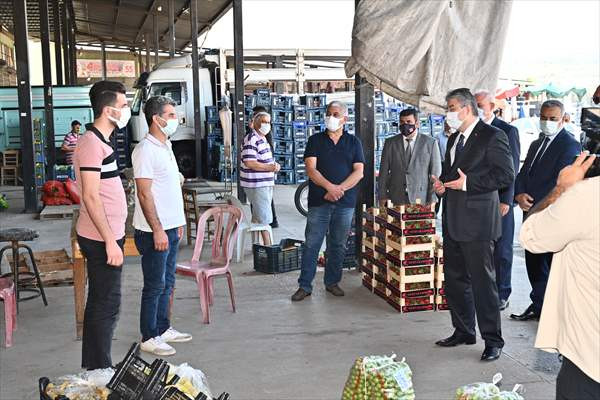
x=546 y=157
x=477 y=164
x=503 y=250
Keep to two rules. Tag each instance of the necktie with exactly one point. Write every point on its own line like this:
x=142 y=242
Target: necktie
x=459 y=146
x=539 y=154
x=408 y=152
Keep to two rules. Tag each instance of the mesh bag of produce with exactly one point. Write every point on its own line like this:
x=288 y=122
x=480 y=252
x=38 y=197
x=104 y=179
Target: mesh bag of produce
x=488 y=391
x=379 y=378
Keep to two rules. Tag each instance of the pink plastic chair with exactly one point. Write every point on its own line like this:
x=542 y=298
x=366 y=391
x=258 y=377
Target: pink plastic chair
x=7 y=293
x=226 y=222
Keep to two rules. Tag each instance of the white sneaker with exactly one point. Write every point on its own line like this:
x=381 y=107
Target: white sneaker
x=157 y=346
x=174 y=336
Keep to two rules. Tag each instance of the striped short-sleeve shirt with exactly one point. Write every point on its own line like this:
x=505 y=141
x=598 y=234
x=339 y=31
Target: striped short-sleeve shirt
x=70 y=141
x=256 y=148
x=95 y=154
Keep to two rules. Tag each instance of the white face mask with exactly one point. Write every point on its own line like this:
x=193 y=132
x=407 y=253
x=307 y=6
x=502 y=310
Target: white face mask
x=171 y=126
x=452 y=119
x=264 y=128
x=125 y=115
x=549 y=128
x=332 y=123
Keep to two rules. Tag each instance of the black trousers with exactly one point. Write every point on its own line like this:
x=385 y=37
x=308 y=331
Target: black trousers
x=471 y=289
x=573 y=384
x=102 y=307
x=538 y=271
x=503 y=255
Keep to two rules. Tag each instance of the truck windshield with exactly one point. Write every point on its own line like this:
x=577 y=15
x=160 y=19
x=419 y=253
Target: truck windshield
x=171 y=90
x=137 y=101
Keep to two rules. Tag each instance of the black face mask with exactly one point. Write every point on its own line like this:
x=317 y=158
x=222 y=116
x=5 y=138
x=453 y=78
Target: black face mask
x=407 y=129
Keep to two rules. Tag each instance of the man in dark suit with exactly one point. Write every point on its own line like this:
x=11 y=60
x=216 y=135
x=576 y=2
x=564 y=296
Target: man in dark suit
x=478 y=163
x=503 y=250
x=555 y=149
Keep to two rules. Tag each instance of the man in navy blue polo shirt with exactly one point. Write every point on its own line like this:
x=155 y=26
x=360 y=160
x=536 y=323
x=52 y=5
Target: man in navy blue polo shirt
x=334 y=164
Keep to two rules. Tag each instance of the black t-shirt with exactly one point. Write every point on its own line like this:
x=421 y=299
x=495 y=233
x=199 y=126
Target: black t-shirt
x=335 y=162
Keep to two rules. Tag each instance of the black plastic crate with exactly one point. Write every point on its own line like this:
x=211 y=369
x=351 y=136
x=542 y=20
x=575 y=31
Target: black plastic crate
x=300 y=113
x=315 y=116
x=313 y=101
x=282 y=102
x=283 y=146
x=132 y=375
x=284 y=257
x=214 y=128
x=283 y=132
x=282 y=116
x=212 y=113
x=285 y=161
x=285 y=177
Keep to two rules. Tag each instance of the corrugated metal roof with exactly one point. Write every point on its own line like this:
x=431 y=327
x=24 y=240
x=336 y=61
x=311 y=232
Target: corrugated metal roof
x=124 y=22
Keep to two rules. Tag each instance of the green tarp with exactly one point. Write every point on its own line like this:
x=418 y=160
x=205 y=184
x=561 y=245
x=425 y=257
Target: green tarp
x=554 y=91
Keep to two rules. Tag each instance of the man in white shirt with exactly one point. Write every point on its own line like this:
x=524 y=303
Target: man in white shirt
x=566 y=223
x=158 y=220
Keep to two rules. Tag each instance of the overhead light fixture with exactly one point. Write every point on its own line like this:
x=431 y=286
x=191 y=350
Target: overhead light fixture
x=159 y=8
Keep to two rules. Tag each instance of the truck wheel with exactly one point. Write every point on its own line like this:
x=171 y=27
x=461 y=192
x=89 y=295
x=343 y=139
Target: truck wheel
x=301 y=198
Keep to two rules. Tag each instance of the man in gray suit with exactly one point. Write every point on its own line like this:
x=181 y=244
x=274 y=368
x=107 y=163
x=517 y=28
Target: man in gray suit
x=407 y=162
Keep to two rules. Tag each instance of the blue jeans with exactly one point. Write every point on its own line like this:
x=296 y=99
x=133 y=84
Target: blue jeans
x=158 y=268
x=335 y=222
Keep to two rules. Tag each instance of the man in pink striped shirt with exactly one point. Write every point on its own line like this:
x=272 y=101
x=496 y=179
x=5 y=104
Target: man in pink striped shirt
x=70 y=142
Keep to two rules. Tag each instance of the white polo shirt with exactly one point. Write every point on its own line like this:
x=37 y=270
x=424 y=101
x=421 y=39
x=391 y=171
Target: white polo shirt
x=154 y=160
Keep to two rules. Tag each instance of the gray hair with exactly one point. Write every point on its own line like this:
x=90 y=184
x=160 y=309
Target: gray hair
x=464 y=97
x=342 y=106
x=155 y=106
x=485 y=93
x=552 y=104
x=258 y=116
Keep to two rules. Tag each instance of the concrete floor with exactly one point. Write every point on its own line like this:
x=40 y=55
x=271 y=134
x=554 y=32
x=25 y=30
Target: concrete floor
x=271 y=348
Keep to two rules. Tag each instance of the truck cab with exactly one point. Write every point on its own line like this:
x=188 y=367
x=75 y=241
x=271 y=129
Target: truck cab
x=173 y=79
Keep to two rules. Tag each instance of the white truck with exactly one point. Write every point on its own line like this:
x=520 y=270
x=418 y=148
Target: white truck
x=173 y=78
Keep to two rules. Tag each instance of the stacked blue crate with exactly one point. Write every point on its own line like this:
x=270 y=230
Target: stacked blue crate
x=122 y=150
x=215 y=149
x=350 y=124
x=315 y=112
x=437 y=125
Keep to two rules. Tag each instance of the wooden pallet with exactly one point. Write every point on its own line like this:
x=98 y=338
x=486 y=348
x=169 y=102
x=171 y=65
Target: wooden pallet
x=58 y=212
x=55 y=266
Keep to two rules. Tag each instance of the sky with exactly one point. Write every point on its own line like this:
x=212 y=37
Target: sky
x=548 y=41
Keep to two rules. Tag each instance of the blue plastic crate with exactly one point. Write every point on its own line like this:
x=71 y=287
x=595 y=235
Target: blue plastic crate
x=285 y=177
x=283 y=146
x=299 y=147
x=350 y=128
x=299 y=130
x=283 y=132
x=300 y=176
x=381 y=128
x=282 y=116
x=64 y=172
x=312 y=101
x=315 y=116
x=214 y=128
x=212 y=113
x=282 y=102
x=262 y=92
x=252 y=101
x=299 y=161
x=40 y=157
x=300 y=113
x=284 y=160
x=312 y=129
x=380 y=112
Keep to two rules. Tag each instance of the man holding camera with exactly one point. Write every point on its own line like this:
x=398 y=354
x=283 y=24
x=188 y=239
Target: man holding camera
x=565 y=223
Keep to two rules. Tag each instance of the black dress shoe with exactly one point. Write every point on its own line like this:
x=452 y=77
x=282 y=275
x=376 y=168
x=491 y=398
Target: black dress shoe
x=455 y=340
x=528 y=314
x=491 y=353
x=300 y=295
x=274 y=224
x=504 y=304
x=335 y=290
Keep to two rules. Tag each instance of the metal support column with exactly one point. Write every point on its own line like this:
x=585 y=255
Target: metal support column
x=238 y=97
x=365 y=131
x=171 y=29
x=47 y=70
x=24 y=96
x=140 y=62
x=300 y=78
x=155 y=32
x=57 y=43
x=147 y=40
x=103 y=58
x=196 y=85
x=65 y=43
x=73 y=50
